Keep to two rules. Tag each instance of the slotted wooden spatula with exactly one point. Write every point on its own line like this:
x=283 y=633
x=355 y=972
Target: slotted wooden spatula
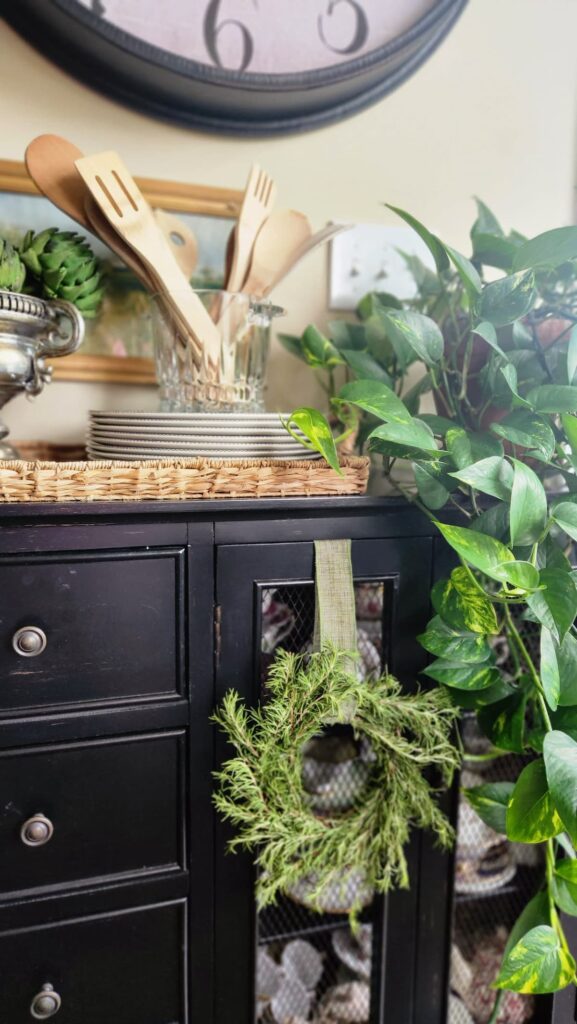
x=50 y=162
x=124 y=206
x=97 y=222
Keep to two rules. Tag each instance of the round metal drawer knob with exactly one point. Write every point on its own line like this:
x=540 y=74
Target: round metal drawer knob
x=37 y=831
x=29 y=641
x=46 y=1003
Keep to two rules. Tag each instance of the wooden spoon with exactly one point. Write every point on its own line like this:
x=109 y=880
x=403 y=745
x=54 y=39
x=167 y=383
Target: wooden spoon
x=267 y=278
x=319 y=238
x=50 y=163
x=283 y=233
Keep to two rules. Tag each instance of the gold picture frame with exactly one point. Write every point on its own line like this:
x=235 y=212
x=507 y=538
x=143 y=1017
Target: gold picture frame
x=200 y=201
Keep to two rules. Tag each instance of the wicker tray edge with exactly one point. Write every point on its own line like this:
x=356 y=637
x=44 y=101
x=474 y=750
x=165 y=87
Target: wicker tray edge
x=40 y=480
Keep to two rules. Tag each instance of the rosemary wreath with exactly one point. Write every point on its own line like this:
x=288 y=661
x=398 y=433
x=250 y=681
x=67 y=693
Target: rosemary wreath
x=260 y=790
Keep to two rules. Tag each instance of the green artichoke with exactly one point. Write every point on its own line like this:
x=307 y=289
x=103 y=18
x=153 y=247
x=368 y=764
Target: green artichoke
x=65 y=268
x=12 y=269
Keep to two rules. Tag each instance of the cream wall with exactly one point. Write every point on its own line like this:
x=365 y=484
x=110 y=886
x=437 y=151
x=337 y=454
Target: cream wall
x=492 y=113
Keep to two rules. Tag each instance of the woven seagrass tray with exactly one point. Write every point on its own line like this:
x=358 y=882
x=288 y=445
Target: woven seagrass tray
x=59 y=473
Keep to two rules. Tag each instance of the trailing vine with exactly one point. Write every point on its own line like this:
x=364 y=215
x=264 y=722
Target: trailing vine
x=495 y=468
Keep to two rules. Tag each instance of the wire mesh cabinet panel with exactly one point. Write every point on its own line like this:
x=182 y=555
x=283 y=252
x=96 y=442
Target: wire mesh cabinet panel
x=289 y=964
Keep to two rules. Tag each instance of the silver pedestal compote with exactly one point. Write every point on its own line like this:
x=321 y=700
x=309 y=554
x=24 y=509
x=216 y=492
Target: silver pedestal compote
x=31 y=331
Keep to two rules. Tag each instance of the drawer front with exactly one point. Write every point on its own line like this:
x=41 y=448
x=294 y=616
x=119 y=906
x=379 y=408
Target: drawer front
x=116 y=808
x=124 y=968
x=91 y=627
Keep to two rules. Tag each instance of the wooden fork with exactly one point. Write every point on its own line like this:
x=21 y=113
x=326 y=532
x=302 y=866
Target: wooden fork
x=258 y=201
x=126 y=209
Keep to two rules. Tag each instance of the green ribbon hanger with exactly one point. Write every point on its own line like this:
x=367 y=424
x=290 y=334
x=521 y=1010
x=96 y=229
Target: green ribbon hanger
x=335 y=614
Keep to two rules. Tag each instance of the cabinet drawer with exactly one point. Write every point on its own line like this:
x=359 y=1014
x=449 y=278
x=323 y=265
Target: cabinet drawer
x=113 y=627
x=115 y=807
x=122 y=968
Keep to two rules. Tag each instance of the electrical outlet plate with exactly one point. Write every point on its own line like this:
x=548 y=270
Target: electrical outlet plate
x=367 y=259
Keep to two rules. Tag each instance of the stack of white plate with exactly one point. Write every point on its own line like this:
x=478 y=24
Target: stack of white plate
x=161 y=435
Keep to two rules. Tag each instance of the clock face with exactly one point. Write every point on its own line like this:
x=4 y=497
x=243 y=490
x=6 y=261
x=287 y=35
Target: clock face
x=264 y=36
x=256 y=67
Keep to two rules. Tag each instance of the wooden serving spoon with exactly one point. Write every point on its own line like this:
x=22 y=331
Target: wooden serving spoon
x=319 y=238
x=273 y=263
x=283 y=232
x=50 y=163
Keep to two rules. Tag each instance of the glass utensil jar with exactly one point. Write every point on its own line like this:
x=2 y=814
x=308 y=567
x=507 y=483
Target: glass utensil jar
x=238 y=384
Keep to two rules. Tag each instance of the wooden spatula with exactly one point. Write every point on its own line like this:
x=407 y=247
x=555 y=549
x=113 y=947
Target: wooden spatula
x=181 y=240
x=50 y=162
x=99 y=225
x=258 y=201
x=124 y=206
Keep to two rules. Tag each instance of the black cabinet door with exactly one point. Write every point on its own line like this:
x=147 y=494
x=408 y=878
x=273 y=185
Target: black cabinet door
x=265 y=594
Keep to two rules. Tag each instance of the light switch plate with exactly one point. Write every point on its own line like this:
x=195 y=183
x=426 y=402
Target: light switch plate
x=366 y=259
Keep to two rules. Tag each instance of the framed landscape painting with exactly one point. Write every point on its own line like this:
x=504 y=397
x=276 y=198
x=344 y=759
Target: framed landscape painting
x=118 y=343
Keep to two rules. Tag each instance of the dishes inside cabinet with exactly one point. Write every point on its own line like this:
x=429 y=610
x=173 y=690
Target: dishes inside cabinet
x=323 y=979
x=458 y=1012
x=278 y=621
x=335 y=770
x=346 y=1003
x=476 y=1000
x=348 y=890
x=369 y=601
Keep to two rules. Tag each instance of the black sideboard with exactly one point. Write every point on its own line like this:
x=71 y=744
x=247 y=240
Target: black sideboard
x=121 y=627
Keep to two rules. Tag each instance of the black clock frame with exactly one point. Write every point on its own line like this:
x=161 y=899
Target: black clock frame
x=212 y=99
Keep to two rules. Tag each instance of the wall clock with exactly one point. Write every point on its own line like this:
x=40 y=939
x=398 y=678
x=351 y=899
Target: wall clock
x=257 y=67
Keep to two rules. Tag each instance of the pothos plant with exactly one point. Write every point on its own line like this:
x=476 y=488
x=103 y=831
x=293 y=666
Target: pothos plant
x=497 y=334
